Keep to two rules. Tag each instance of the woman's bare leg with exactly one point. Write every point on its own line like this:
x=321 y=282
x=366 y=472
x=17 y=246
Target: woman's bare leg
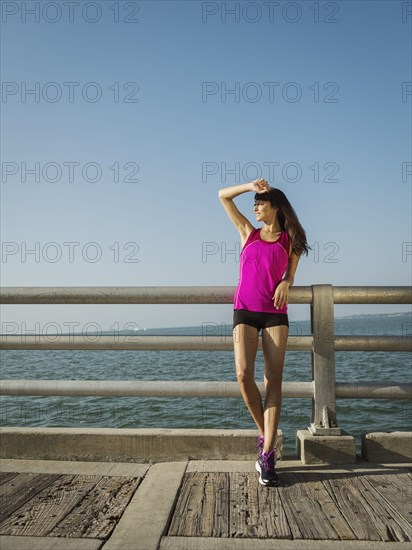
x=274 y=341
x=245 y=342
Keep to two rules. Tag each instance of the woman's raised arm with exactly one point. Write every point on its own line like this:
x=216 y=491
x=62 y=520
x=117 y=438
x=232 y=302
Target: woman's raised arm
x=226 y=195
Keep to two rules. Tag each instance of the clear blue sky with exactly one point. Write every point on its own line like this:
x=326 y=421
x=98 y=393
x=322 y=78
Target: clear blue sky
x=319 y=96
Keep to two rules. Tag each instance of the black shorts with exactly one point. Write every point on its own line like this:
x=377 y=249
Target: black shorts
x=259 y=319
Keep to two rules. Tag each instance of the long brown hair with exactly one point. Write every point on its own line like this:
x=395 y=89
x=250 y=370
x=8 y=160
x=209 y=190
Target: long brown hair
x=288 y=219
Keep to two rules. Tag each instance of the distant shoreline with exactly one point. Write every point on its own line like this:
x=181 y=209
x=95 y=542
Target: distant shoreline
x=353 y=316
x=143 y=330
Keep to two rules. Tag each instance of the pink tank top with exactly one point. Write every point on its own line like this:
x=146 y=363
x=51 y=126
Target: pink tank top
x=262 y=266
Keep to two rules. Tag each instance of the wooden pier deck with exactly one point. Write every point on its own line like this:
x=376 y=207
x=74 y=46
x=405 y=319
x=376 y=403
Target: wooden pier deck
x=203 y=505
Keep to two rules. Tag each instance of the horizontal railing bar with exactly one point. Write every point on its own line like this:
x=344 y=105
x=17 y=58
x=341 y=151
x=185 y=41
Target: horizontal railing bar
x=211 y=343
x=155 y=343
x=191 y=295
x=182 y=388
x=373 y=343
x=374 y=390
x=132 y=295
x=144 y=388
x=372 y=294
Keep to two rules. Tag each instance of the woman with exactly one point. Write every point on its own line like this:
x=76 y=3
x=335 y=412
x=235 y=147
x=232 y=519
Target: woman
x=260 y=303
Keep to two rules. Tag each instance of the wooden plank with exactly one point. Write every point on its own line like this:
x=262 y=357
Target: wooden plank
x=255 y=511
x=396 y=489
x=6 y=476
x=21 y=482
x=308 y=518
x=351 y=507
x=244 y=506
x=367 y=519
x=188 y=505
x=307 y=505
x=41 y=514
x=102 y=527
x=193 y=543
x=98 y=513
x=216 y=505
x=272 y=512
x=398 y=527
x=377 y=511
x=393 y=484
x=202 y=505
x=18 y=490
x=317 y=493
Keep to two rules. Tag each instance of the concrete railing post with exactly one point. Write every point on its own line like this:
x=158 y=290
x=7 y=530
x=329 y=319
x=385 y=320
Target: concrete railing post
x=323 y=421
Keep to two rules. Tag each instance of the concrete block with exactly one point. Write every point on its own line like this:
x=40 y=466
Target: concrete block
x=147 y=515
x=331 y=449
x=386 y=446
x=19 y=542
x=130 y=445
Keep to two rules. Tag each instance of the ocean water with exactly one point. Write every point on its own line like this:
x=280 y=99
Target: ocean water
x=354 y=416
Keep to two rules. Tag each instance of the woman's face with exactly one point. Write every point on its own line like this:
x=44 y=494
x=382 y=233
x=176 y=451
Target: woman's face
x=264 y=211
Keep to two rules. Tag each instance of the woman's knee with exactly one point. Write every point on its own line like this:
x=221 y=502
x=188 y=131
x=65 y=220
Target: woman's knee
x=273 y=385
x=244 y=376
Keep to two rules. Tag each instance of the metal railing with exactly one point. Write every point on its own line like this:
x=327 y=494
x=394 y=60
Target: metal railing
x=322 y=343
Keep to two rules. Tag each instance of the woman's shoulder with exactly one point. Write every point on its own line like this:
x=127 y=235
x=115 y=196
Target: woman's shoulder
x=253 y=230
x=248 y=235
x=286 y=241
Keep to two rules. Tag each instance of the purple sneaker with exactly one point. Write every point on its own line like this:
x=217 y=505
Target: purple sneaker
x=265 y=465
x=261 y=442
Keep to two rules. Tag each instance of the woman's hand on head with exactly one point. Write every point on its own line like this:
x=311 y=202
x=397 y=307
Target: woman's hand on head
x=260 y=186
